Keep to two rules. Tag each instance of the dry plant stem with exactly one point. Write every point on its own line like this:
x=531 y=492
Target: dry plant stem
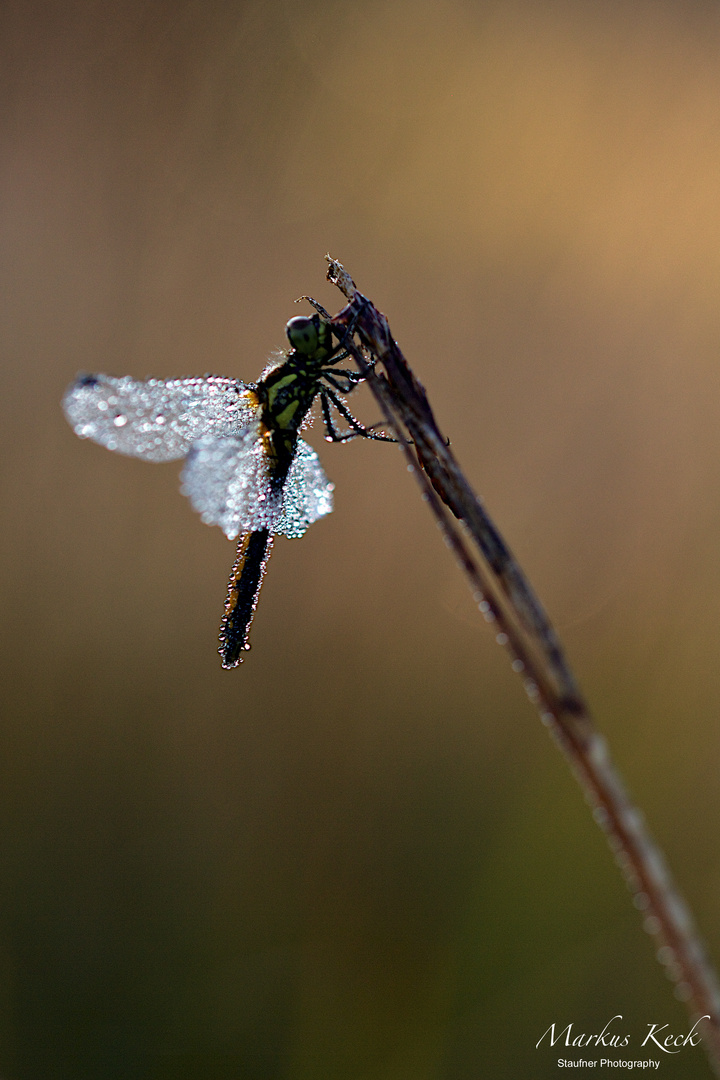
x=508 y=602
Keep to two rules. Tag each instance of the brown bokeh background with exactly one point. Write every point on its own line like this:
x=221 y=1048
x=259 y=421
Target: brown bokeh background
x=358 y=856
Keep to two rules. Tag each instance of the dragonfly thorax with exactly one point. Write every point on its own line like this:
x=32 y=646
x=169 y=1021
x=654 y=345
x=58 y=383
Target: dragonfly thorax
x=287 y=394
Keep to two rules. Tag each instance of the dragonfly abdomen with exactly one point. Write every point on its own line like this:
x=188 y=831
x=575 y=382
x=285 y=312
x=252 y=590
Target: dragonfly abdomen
x=243 y=590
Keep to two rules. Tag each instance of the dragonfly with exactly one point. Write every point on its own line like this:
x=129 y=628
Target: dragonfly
x=246 y=468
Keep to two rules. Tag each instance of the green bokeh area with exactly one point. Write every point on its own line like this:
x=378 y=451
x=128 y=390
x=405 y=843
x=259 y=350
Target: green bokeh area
x=359 y=856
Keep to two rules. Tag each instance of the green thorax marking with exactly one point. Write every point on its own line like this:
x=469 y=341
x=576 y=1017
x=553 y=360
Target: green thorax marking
x=287 y=394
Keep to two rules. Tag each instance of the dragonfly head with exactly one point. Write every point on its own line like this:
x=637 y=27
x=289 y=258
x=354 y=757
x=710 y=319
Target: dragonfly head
x=310 y=336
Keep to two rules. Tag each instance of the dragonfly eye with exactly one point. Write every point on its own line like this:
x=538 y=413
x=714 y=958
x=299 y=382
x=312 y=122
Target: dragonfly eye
x=303 y=334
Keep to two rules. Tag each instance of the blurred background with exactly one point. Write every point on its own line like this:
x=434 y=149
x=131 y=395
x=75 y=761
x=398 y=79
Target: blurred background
x=358 y=855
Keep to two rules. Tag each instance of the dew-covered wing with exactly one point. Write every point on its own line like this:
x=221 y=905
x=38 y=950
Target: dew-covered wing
x=157 y=420
x=227 y=482
x=307 y=494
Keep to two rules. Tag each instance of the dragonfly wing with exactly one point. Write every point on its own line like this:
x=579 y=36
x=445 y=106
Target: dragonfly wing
x=307 y=494
x=157 y=420
x=227 y=482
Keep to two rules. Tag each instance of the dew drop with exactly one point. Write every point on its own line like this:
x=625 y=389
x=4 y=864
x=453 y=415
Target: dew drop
x=501 y=638
x=665 y=954
x=621 y=859
x=531 y=689
x=518 y=665
x=120 y=420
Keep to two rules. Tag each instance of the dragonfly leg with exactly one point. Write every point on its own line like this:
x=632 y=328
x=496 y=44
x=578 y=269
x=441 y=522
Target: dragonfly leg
x=327 y=396
x=318 y=307
x=344 y=388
